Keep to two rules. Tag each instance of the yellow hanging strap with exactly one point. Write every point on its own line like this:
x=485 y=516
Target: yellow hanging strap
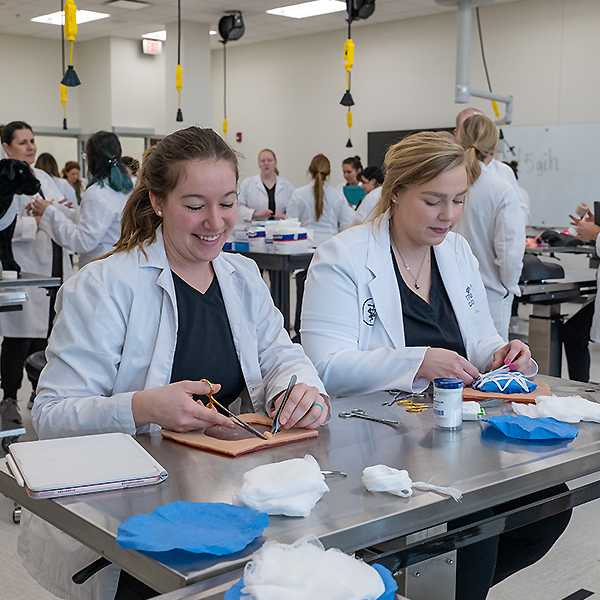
x=225 y=126
x=179 y=83
x=496 y=110
x=63 y=99
x=349 y=121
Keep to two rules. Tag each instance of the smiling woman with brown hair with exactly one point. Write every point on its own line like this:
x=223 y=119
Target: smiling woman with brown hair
x=137 y=331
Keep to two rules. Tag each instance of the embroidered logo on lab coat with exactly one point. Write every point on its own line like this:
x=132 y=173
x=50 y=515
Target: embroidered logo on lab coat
x=469 y=296
x=368 y=312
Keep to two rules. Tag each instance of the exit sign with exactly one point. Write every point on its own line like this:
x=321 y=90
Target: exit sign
x=151 y=47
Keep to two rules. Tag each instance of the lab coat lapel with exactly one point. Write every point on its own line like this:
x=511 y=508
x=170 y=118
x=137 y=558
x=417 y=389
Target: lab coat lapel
x=233 y=289
x=457 y=289
x=164 y=350
x=384 y=287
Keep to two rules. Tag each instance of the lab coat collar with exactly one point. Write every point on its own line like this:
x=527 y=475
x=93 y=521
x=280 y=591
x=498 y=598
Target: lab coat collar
x=384 y=286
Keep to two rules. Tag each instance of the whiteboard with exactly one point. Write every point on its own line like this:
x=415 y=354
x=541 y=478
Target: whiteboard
x=559 y=166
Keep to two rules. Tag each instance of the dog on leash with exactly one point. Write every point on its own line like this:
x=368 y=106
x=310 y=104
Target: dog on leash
x=15 y=178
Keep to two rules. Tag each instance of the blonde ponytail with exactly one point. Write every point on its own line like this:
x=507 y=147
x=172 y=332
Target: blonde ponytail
x=478 y=136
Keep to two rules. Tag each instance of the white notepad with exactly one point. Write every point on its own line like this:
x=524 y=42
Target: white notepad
x=83 y=464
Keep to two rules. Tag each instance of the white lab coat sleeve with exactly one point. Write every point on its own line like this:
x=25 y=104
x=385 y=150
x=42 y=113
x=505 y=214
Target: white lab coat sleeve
x=509 y=240
x=346 y=214
x=293 y=207
x=278 y=357
x=84 y=355
x=25 y=229
x=94 y=219
x=244 y=210
x=331 y=332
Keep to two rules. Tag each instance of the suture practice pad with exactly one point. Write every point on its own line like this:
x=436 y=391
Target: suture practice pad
x=542 y=389
x=238 y=441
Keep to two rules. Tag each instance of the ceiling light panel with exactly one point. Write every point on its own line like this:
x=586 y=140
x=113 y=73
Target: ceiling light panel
x=128 y=4
x=82 y=16
x=156 y=35
x=309 y=9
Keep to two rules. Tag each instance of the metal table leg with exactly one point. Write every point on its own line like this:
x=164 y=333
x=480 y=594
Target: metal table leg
x=544 y=338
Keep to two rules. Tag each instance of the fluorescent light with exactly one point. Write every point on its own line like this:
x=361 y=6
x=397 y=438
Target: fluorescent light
x=128 y=4
x=213 y=32
x=309 y=9
x=82 y=16
x=156 y=35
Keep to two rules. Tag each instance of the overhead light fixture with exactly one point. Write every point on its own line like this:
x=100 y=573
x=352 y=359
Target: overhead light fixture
x=161 y=36
x=82 y=16
x=213 y=32
x=309 y=9
x=128 y=4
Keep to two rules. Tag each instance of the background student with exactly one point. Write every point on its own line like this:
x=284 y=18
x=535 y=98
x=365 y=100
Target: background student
x=492 y=221
x=266 y=195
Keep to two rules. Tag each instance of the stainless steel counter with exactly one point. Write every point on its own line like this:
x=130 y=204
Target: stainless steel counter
x=30 y=280
x=486 y=467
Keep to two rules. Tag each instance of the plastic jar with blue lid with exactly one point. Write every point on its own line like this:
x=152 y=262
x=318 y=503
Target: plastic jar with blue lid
x=447 y=403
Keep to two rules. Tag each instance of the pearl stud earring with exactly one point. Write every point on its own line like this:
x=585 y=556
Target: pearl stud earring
x=160 y=213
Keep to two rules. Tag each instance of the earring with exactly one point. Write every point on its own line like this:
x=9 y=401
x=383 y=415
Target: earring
x=159 y=213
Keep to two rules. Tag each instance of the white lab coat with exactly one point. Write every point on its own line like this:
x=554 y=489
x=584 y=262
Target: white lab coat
x=337 y=214
x=116 y=333
x=492 y=223
x=33 y=251
x=365 y=209
x=94 y=228
x=352 y=326
x=253 y=196
x=67 y=189
x=503 y=171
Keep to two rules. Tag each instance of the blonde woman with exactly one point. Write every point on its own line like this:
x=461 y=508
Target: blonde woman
x=266 y=195
x=398 y=301
x=492 y=222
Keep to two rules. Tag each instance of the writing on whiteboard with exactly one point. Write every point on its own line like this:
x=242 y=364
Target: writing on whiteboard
x=537 y=163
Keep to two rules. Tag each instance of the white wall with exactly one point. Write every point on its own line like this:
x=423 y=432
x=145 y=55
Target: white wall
x=285 y=94
x=30 y=71
x=137 y=86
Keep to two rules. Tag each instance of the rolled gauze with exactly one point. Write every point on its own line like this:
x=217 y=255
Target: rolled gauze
x=582 y=209
x=290 y=487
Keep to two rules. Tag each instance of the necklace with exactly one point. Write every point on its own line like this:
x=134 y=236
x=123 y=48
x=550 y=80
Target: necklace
x=416 y=278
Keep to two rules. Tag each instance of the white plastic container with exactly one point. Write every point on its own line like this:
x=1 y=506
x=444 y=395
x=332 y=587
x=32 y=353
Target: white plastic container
x=257 y=239
x=447 y=404
x=290 y=238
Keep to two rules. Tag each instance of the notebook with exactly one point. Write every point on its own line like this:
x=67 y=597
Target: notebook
x=81 y=465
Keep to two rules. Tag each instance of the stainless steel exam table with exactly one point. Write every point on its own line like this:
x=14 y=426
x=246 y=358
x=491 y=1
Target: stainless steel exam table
x=486 y=467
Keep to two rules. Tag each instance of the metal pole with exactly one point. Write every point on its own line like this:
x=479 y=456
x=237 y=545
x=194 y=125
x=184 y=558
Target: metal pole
x=463 y=52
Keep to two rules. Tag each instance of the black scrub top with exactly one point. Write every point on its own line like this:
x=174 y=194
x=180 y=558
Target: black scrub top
x=432 y=324
x=271 y=197
x=205 y=348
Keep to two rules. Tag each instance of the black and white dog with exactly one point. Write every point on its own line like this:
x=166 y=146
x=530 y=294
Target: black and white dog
x=16 y=178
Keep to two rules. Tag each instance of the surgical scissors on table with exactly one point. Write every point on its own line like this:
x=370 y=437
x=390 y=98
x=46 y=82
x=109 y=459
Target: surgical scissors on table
x=359 y=413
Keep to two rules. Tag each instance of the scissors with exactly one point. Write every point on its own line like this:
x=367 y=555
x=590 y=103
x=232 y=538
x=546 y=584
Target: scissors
x=276 y=424
x=359 y=413
x=236 y=419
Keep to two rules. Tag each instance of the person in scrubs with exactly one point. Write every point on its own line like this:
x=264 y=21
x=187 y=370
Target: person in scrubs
x=136 y=333
x=398 y=301
x=266 y=195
